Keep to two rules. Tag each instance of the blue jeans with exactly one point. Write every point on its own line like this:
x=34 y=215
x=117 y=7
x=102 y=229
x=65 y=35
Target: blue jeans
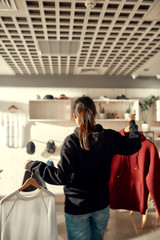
x=90 y=226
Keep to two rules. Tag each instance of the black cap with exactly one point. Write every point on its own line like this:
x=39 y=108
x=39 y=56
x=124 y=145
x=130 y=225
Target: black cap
x=121 y=97
x=30 y=147
x=48 y=97
x=51 y=146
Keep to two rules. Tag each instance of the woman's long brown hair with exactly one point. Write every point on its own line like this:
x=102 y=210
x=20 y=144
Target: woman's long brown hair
x=85 y=109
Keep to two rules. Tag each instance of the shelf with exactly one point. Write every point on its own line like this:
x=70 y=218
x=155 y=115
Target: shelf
x=111 y=120
x=157 y=139
x=113 y=107
x=50 y=110
x=115 y=100
x=48 y=120
x=61 y=109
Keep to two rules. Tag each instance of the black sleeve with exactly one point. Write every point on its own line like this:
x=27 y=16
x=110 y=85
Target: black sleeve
x=133 y=130
x=60 y=175
x=127 y=146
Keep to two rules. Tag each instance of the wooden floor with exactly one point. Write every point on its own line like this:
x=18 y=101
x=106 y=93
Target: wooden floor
x=122 y=225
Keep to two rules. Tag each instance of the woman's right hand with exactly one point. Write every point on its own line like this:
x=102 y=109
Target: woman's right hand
x=131 y=117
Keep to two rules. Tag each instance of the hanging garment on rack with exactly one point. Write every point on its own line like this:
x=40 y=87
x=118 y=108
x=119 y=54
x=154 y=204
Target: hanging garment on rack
x=134 y=177
x=12 y=122
x=28 y=215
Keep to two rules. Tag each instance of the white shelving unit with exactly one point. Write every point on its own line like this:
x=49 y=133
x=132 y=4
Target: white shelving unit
x=61 y=109
x=50 y=110
x=117 y=107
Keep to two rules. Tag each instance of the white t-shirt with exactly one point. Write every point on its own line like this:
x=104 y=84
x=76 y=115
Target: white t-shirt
x=28 y=216
x=12 y=124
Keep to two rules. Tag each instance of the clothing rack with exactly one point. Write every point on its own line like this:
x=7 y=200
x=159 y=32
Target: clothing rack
x=144 y=219
x=144 y=216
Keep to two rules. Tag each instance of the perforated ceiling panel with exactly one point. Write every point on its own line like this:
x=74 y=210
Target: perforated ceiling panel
x=116 y=37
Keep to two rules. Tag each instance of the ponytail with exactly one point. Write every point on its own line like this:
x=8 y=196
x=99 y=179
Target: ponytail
x=85 y=109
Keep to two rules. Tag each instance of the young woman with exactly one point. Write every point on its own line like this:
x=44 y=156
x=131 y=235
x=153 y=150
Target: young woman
x=84 y=170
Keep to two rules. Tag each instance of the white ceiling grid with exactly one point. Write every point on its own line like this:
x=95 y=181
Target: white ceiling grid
x=116 y=37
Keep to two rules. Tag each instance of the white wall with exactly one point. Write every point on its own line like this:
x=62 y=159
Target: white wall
x=12 y=160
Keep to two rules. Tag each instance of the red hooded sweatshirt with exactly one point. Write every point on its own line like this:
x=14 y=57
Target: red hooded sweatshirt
x=134 y=177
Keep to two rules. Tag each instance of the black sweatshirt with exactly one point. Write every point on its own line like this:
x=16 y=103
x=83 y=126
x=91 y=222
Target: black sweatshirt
x=85 y=174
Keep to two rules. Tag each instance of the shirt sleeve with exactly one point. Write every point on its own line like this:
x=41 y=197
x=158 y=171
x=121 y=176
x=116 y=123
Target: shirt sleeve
x=127 y=145
x=52 y=220
x=60 y=175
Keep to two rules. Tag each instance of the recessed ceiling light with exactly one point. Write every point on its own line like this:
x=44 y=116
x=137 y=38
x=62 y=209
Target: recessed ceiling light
x=6 y=5
x=58 y=48
x=5 y=69
x=134 y=76
x=154 y=11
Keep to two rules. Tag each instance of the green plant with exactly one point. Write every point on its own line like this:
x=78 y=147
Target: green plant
x=101 y=109
x=128 y=110
x=145 y=106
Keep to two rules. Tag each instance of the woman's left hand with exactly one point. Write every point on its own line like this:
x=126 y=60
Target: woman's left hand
x=26 y=164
